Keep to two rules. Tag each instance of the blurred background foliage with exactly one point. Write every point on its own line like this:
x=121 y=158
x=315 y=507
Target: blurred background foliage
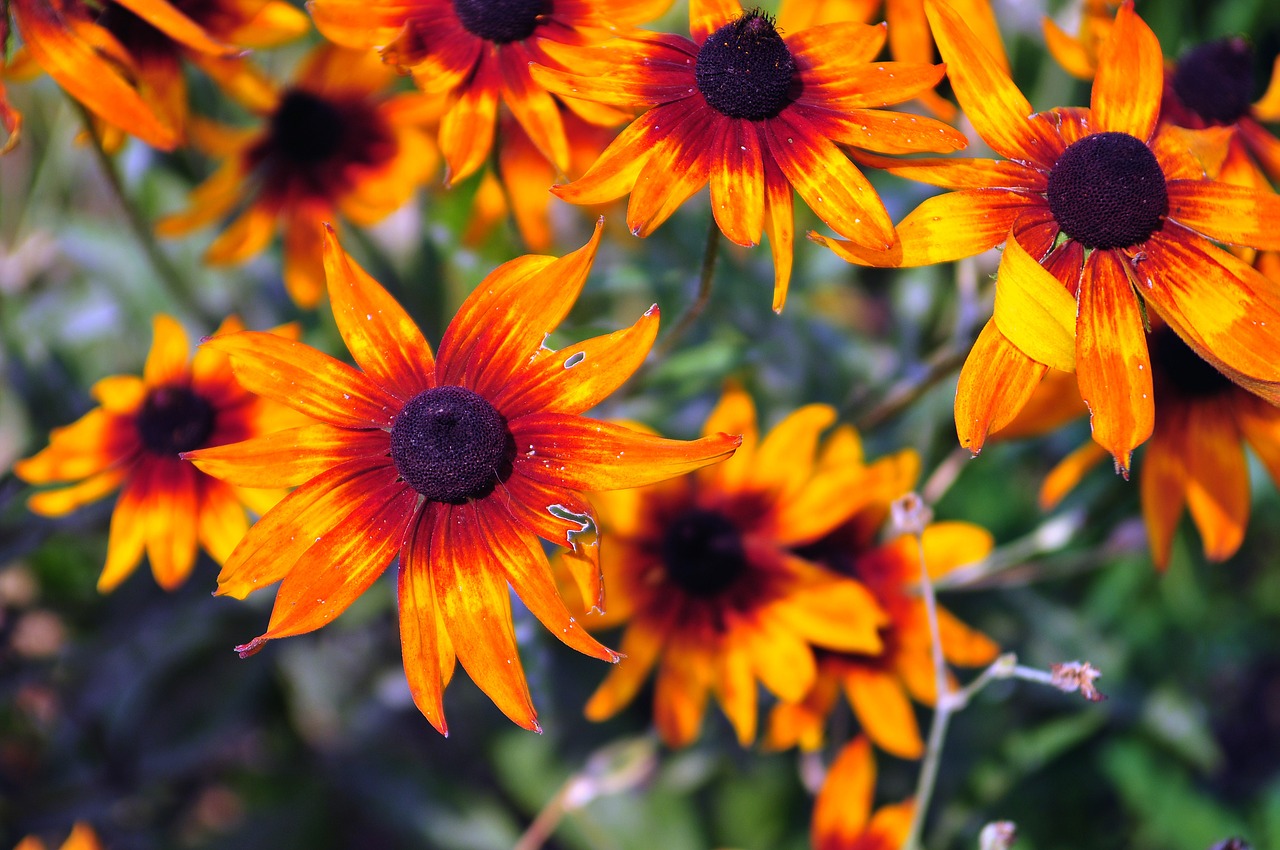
x=131 y=712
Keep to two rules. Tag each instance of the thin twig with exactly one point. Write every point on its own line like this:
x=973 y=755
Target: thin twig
x=170 y=278
x=694 y=310
x=940 y=366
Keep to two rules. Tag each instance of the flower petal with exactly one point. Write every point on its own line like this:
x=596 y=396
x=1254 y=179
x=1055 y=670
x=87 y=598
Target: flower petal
x=1217 y=479
x=1034 y=311
x=532 y=105
x=289 y=458
x=127 y=539
x=566 y=519
x=584 y=454
x=1233 y=214
x=707 y=16
x=673 y=174
x=381 y=337
x=883 y=710
x=475 y=607
x=784 y=461
x=466 y=131
x=779 y=223
x=220 y=519
x=1112 y=361
x=642 y=643
x=307 y=380
x=167 y=361
x=1064 y=477
x=996 y=382
x=424 y=644
x=1130 y=81
x=735 y=688
x=839 y=42
x=843 y=806
x=170 y=521
x=1163 y=478
x=737 y=183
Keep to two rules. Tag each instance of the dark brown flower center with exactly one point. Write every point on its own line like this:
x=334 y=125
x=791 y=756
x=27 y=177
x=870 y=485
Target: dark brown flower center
x=500 y=21
x=1175 y=367
x=306 y=129
x=1215 y=80
x=1107 y=191
x=451 y=445
x=745 y=69
x=702 y=552
x=174 y=420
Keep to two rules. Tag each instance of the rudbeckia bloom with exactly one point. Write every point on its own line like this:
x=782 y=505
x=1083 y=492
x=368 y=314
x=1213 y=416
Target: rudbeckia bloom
x=336 y=141
x=842 y=818
x=756 y=114
x=477 y=53
x=703 y=572
x=1104 y=215
x=132 y=441
x=458 y=463
x=879 y=686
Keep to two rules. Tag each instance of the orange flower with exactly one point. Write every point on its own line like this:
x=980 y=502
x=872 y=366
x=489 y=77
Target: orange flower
x=842 y=818
x=336 y=141
x=82 y=837
x=704 y=572
x=877 y=686
x=1104 y=215
x=133 y=441
x=909 y=36
x=756 y=114
x=458 y=464
x=477 y=52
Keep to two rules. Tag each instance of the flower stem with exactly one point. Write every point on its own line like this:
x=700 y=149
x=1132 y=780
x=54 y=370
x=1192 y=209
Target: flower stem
x=168 y=275
x=695 y=309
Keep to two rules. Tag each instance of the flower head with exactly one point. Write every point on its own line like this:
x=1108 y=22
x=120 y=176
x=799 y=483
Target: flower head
x=1104 y=215
x=705 y=574
x=842 y=818
x=132 y=441
x=759 y=116
x=477 y=53
x=457 y=463
x=336 y=141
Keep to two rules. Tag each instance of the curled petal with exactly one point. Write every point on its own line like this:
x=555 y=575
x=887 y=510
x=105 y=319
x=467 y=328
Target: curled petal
x=1034 y=311
x=996 y=382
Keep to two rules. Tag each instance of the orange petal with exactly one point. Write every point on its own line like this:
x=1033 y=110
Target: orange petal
x=357 y=23
x=1163 y=478
x=475 y=607
x=784 y=662
x=844 y=804
x=307 y=380
x=1064 y=477
x=578 y=377
x=520 y=557
x=1068 y=51
x=830 y=184
x=962 y=645
x=276 y=542
x=615 y=173
x=707 y=16
x=842 y=41
x=1112 y=361
x=784 y=460
x=779 y=223
x=247 y=236
x=60 y=502
x=1226 y=213
x=1217 y=479
x=382 y=339
x=566 y=519
x=422 y=636
x=504 y=322
x=737 y=183
x=127 y=538
x=950 y=545
x=341 y=564
x=170 y=521
x=891 y=825
x=289 y=458
x=835 y=613
x=1260 y=424
x=1034 y=311
x=963 y=173
x=675 y=172
x=583 y=454
x=996 y=382
x=680 y=692
x=993 y=103
x=86 y=447
x=172 y=22
x=167 y=360
x=532 y=105
x=735 y=688
x=220 y=520
x=466 y=131
x=642 y=643
x=884 y=710
x=1130 y=80
x=883 y=131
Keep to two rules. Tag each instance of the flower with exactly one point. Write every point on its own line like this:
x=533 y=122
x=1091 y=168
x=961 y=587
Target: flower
x=909 y=36
x=477 y=52
x=877 y=685
x=705 y=575
x=1120 y=216
x=458 y=464
x=1079 y=54
x=842 y=818
x=335 y=141
x=82 y=837
x=132 y=441
x=757 y=115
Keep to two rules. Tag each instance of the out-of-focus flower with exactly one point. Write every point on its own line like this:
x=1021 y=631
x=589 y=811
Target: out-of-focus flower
x=1103 y=215
x=82 y=837
x=757 y=114
x=132 y=441
x=704 y=571
x=477 y=53
x=336 y=142
x=842 y=818
x=457 y=463
x=909 y=36
x=1078 y=54
x=877 y=685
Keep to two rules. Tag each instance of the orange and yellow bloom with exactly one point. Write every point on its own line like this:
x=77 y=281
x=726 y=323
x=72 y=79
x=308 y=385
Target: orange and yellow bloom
x=132 y=441
x=336 y=142
x=756 y=114
x=457 y=463
x=704 y=572
x=1103 y=215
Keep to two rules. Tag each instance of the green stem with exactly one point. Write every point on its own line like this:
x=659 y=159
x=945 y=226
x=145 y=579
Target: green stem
x=169 y=276
x=695 y=309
